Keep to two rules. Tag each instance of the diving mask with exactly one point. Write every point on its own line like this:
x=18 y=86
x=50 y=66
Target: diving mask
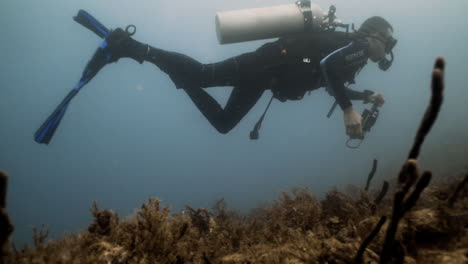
x=390 y=42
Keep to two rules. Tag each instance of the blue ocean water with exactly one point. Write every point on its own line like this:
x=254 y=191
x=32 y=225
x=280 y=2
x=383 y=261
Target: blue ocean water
x=130 y=135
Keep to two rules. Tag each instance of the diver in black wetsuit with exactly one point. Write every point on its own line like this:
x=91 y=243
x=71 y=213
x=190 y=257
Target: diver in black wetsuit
x=289 y=67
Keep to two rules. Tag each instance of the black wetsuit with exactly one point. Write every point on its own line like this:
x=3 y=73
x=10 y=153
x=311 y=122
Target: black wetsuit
x=289 y=67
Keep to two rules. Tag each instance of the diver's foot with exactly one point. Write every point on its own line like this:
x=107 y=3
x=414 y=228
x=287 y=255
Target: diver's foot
x=119 y=44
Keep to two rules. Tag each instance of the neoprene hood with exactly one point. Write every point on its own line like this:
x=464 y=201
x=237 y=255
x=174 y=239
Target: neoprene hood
x=384 y=29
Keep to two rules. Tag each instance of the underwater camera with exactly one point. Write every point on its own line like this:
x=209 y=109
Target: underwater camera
x=369 y=117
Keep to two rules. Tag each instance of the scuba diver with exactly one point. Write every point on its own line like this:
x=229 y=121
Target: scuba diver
x=288 y=67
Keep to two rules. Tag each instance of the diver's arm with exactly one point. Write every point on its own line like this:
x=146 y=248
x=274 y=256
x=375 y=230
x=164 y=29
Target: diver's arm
x=336 y=63
x=358 y=95
x=335 y=86
x=349 y=57
x=354 y=95
x=366 y=96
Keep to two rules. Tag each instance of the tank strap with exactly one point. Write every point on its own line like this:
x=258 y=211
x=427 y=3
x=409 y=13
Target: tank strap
x=304 y=6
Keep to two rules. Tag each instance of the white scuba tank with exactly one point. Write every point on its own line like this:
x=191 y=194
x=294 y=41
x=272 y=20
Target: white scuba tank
x=268 y=22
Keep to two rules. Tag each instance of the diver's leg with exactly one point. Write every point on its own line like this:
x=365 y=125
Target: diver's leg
x=182 y=69
x=119 y=44
x=191 y=75
x=188 y=72
x=241 y=100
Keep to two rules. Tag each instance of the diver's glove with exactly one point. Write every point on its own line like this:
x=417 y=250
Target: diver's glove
x=377 y=98
x=353 y=123
x=119 y=44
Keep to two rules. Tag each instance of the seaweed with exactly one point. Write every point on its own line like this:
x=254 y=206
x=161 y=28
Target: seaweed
x=460 y=187
x=298 y=227
x=200 y=218
x=103 y=221
x=40 y=237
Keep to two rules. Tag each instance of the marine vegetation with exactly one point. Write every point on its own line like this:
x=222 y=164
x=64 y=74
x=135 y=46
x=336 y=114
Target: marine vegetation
x=408 y=220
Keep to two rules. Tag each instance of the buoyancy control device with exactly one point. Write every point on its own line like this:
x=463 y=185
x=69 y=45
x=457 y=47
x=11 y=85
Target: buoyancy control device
x=274 y=22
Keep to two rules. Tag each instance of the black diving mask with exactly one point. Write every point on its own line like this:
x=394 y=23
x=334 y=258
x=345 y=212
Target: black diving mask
x=384 y=63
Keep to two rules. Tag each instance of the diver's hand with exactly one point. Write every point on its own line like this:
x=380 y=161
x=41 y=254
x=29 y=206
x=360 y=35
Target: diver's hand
x=352 y=122
x=376 y=98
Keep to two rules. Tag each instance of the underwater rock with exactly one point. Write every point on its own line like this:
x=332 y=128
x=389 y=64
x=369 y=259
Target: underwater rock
x=438 y=257
x=233 y=258
x=437 y=229
x=109 y=253
x=334 y=251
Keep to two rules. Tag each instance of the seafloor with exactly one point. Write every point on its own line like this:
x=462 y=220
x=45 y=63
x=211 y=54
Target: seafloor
x=414 y=219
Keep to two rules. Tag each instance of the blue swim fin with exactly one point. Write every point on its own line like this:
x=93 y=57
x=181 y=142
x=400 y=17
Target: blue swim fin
x=88 y=21
x=100 y=58
x=46 y=131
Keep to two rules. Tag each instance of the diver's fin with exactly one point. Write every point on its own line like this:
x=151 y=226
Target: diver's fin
x=100 y=58
x=44 y=134
x=88 y=21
